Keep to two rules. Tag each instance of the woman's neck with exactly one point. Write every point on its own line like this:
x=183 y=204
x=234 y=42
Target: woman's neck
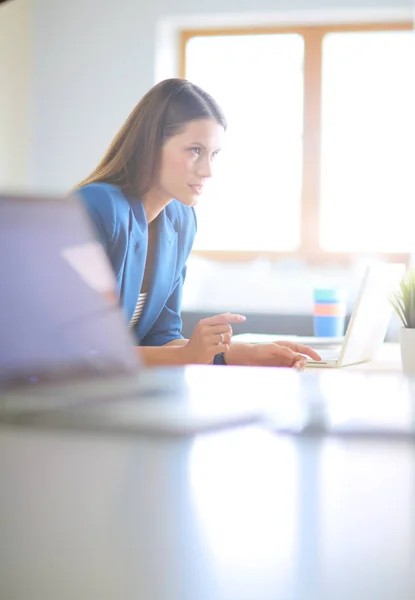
x=154 y=202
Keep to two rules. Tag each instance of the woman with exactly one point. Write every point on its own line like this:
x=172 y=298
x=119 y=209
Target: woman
x=141 y=199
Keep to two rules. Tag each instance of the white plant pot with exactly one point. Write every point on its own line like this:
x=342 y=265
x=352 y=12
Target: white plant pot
x=407 y=341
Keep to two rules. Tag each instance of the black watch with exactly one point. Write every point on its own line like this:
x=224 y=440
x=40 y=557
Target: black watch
x=219 y=359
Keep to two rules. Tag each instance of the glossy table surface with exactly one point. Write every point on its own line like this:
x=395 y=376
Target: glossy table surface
x=246 y=513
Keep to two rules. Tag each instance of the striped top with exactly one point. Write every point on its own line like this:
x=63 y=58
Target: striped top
x=138 y=309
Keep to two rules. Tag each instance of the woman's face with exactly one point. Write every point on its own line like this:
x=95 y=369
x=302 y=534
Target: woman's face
x=187 y=159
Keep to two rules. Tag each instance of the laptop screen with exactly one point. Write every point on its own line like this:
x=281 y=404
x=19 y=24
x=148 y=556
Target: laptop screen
x=59 y=314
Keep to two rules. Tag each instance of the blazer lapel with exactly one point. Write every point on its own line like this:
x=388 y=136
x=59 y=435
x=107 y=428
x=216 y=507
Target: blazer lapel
x=162 y=276
x=135 y=261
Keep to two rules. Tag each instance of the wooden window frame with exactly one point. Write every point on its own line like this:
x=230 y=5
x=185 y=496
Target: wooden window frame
x=310 y=250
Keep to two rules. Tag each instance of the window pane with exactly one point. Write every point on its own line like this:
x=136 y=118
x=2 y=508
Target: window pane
x=368 y=137
x=253 y=201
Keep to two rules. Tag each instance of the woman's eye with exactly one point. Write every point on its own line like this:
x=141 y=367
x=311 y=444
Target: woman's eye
x=196 y=151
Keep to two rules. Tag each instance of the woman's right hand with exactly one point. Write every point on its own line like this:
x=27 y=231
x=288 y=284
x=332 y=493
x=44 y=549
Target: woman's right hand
x=210 y=336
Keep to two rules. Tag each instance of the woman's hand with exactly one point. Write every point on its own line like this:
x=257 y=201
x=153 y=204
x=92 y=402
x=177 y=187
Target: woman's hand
x=276 y=354
x=210 y=336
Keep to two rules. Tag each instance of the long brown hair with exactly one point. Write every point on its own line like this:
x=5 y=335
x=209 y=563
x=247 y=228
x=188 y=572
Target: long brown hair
x=133 y=157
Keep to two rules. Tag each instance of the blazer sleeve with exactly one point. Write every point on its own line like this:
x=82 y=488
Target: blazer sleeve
x=168 y=325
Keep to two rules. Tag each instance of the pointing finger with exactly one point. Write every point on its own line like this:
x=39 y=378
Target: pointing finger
x=223 y=319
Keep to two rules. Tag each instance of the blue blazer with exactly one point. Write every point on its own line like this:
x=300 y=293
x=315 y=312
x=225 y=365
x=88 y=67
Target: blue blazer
x=122 y=227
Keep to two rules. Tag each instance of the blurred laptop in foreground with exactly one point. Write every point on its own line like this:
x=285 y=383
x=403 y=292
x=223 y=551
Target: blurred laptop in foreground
x=64 y=339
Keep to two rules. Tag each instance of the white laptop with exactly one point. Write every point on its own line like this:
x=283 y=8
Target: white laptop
x=367 y=326
x=369 y=320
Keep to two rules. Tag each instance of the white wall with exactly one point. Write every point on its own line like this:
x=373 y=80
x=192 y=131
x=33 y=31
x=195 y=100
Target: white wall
x=15 y=94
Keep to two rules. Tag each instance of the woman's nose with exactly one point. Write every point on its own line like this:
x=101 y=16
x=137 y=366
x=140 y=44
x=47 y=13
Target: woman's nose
x=205 y=168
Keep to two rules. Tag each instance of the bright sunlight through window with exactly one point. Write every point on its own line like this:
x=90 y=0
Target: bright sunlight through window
x=341 y=103
x=368 y=142
x=253 y=200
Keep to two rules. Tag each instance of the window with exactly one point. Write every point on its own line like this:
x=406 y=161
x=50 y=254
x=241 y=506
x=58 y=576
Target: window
x=265 y=117
x=319 y=156
x=368 y=142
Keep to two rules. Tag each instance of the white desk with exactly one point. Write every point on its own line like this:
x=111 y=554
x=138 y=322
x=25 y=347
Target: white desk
x=387 y=360
x=241 y=515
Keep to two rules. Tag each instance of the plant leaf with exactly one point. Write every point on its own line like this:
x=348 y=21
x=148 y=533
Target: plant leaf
x=404 y=301
x=396 y=303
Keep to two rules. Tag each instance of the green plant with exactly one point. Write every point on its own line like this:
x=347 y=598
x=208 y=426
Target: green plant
x=404 y=301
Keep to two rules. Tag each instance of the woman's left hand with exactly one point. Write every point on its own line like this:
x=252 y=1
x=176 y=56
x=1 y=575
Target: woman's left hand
x=276 y=354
